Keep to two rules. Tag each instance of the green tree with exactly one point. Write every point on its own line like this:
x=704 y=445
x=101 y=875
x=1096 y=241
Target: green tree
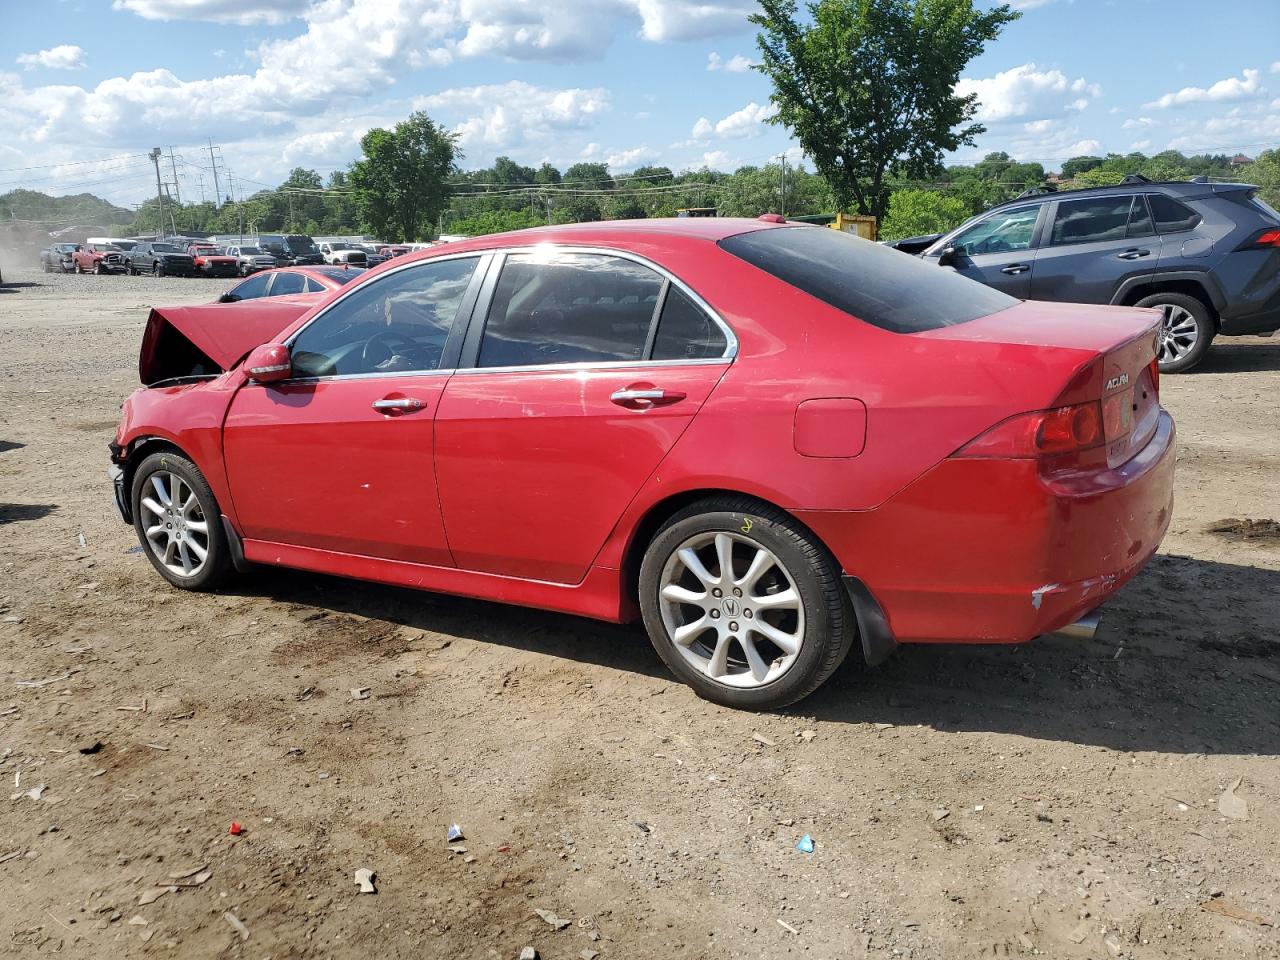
x=401 y=183
x=494 y=221
x=1265 y=172
x=1078 y=165
x=915 y=212
x=869 y=87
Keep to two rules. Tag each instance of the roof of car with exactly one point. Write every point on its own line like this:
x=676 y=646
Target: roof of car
x=1131 y=184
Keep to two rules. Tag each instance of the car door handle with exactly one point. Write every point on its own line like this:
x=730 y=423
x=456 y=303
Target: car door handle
x=636 y=397
x=399 y=403
x=1133 y=254
x=1016 y=268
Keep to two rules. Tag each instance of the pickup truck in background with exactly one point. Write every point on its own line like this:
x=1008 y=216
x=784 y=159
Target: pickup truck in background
x=100 y=258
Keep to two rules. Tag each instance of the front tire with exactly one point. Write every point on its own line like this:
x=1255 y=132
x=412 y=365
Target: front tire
x=1185 y=332
x=157 y=269
x=744 y=604
x=178 y=522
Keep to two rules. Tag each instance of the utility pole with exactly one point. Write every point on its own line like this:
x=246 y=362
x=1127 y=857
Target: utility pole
x=173 y=168
x=783 y=158
x=217 y=190
x=155 y=158
x=200 y=181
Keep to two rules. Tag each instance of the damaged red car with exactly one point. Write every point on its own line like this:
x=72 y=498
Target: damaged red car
x=775 y=444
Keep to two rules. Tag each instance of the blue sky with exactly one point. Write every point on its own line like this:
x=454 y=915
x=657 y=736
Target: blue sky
x=283 y=83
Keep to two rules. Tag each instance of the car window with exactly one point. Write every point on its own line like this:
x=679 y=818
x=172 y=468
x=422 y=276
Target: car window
x=685 y=332
x=314 y=285
x=1091 y=220
x=399 y=322
x=873 y=283
x=287 y=284
x=1001 y=232
x=253 y=288
x=1139 y=219
x=569 y=308
x=1171 y=216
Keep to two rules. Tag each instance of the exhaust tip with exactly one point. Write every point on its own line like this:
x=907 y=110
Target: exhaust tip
x=1082 y=629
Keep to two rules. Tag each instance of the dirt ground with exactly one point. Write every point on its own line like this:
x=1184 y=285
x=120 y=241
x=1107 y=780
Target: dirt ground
x=1058 y=799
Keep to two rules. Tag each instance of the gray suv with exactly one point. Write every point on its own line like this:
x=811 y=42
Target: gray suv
x=1206 y=254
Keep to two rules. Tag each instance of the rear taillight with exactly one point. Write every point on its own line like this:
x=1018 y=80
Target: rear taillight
x=1041 y=434
x=1268 y=239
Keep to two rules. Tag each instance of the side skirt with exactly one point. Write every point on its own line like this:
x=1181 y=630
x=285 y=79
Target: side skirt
x=598 y=595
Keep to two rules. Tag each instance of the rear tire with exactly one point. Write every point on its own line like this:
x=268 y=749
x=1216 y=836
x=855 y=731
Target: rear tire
x=177 y=518
x=1185 y=333
x=783 y=585
x=100 y=269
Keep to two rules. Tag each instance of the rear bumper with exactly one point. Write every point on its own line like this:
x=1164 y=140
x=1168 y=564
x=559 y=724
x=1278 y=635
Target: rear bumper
x=987 y=551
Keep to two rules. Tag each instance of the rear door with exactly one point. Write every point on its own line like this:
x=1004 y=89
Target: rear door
x=584 y=369
x=999 y=250
x=1092 y=247
x=340 y=457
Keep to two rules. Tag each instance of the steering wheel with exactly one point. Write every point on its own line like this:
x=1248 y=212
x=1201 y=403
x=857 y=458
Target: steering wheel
x=387 y=340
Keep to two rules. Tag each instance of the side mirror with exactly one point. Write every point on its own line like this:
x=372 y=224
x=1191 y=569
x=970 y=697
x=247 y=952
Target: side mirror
x=949 y=256
x=268 y=363
x=78 y=250
x=228 y=298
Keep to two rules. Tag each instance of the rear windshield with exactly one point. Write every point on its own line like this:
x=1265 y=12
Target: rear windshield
x=342 y=276
x=882 y=286
x=1265 y=208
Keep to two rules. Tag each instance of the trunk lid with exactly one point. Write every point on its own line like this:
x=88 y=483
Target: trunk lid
x=1113 y=365
x=211 y=338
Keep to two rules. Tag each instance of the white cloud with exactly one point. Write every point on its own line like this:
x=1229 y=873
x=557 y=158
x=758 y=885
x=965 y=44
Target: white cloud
x=1248 y=84
x=1137 y=123
x=747 y=122
x=65 y=56
x=1029 y=4
x=1039 y=126
x=1138 y=145
x=664 y=20
x=629 y=159
x=510 y=115
x=1025 y=91
x=1275 y=67
x=1221 y=134
x=217 y=11
x=717 y=160
x=735 y=64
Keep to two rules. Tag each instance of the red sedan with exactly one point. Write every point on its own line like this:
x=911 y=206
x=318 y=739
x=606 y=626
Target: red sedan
x=774 y=443
x=290 y=282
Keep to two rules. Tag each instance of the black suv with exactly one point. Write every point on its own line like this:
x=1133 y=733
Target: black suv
x=1207 y=254
x=160 y=259
x=291 y=249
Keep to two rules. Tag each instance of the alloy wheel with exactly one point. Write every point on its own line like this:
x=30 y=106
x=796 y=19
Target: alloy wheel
x=732 y=609
x=179 y=532
x=1178 y=332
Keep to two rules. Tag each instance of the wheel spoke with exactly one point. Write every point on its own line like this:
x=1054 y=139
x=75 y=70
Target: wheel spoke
x=154 y=507
x=672 y=591
x=685 y=635
x=195 y=548
x=198 y=526
x=724 y=556
x=189 y=502
x=784 y=641
x=186 y=557
x=761 y=562
x=718 y=665
x=783 y=600
x=170 y=549
x=759 y=669
x=1184 y=328
x=694 y=566
x=153 y=531
x=161 y=492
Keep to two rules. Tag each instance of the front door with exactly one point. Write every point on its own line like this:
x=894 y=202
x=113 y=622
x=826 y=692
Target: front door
x=340 y=457
x=586 y=372
x=998 y=250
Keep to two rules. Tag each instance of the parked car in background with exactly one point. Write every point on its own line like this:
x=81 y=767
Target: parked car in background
x=160 y=259
x=393 y=250
x=292 y=249
x=210 y=260
x=766 y=519
x=124 y=245
x=250 y=259
x=373 y=257
x=98 y=258
x=57 y=258
x=339 y=251
x=290 y=282
x=1207 y=255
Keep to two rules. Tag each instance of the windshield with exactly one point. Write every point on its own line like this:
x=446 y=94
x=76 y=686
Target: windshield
x=874 y=283
x=341 y=246
x=108 y=247
x=250 y=250
x=342 y=276
x=165 y=248
x=301 y=244
x=207 y=251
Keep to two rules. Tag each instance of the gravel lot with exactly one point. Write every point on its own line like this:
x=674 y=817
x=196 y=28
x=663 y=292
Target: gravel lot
x=1060 y=798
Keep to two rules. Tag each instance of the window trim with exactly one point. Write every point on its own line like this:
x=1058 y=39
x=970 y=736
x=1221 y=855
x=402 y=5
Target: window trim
x=462 y=321
x=468 y=361
x=1057 y=206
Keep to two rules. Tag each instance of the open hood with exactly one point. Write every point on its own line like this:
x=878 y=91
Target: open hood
x=210 y=339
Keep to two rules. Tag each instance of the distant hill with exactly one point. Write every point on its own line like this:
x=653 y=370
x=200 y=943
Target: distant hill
x=43 y=212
